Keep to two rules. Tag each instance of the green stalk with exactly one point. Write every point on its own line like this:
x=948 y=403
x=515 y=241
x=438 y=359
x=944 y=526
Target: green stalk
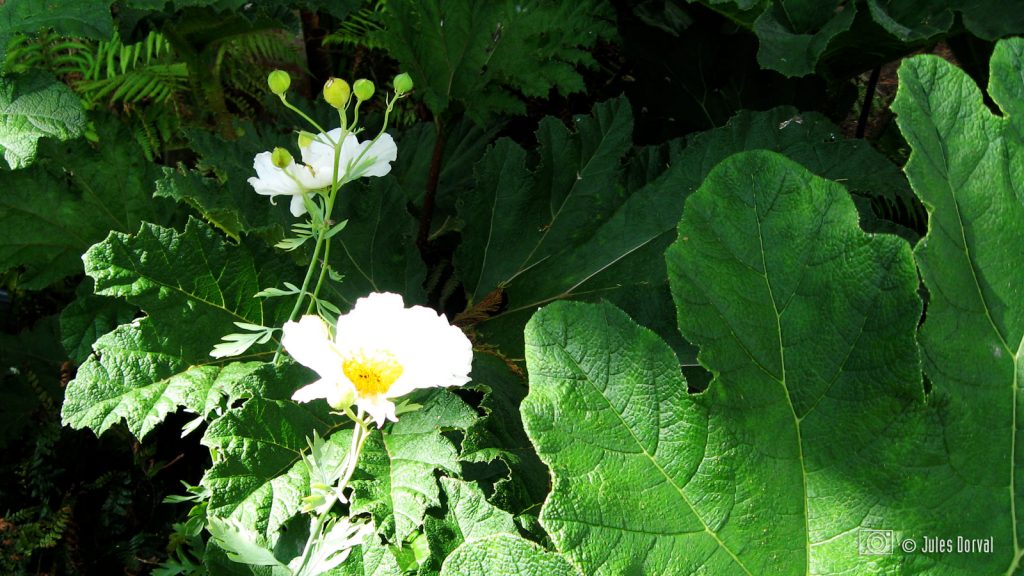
x=359 y=435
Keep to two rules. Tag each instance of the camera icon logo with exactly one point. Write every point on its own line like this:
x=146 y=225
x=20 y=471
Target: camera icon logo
x=875 y=542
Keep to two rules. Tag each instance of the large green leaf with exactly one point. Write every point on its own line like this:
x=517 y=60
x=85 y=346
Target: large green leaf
x=258 y=476
x=484 y=54
x=71 y=198
x=375 y=252
x=808 y=325
x=396 y=481
x=796 y=36
x=88 y=317
x=608 y=236
x=505 y=554
x=967 y=166
x=193 y=287
x=33 y=107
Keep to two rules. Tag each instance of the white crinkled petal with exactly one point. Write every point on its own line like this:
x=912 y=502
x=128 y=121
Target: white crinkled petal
x=379 y=408
x=319 y=157
x=308 y=341
x=316 y=390
x=433 y=352
x=297 y=206
x=378 y=157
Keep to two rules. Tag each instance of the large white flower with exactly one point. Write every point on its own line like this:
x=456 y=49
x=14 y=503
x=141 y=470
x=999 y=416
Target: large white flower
x=381 y=350
x=357 y=159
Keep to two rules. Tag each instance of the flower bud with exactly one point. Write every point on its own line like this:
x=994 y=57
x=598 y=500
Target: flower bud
x=363 y=89
x=279 y=81
x=305 y=139
x=402 y=83
x=281 y=158
x=337 y=92
x=343 y=400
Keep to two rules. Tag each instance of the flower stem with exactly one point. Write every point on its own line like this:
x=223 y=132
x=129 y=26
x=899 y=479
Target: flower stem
x=360 y=432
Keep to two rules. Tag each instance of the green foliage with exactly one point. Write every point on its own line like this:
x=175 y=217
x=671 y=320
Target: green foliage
x=797 y=35
x=51 y=212
x=480 y=54
x=397 y=483
x=966 y=166
x=35 y=106
x=505 y=554
x=148 y=368
x=88 y=18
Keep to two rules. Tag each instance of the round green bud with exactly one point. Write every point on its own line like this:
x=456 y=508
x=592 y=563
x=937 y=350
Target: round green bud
x=402 y=83
x=305 y=139
x=343 y=400
x=363 y=89
x=337 y=92
x=279 y=81
x=281 y=158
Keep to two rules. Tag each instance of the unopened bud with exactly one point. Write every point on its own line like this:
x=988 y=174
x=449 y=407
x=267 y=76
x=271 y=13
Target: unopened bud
x=305 y=139
x=281 y=158
x=279 y=81
x=337 y=92
x=343 y=399
x=402 y=83
x=363 y=89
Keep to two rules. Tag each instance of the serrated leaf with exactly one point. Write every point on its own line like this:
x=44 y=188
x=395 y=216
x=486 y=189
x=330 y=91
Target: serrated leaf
x=793 y=34
x=522 y=480
x=88 y=317
x=241 y=544
x=396 y=471
x=193 y=287
x=481 y=54
x=468 y=517
x=137 y=376
x=258 y=476
x=32 y=107
x=369 y=560
x=966 y=165
x=71 y=198
x=505 y=554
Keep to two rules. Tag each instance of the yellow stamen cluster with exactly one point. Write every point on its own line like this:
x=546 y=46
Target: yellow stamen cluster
x=372 y=374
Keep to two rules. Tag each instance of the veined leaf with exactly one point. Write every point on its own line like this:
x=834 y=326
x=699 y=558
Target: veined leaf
x=967 y=166
x=808 y=325
x=396 y=471
x=468 y=517
x=88 y=317
x=33 y=107
x=193 y=288
x=505 y=554
x=577 y=227
x=258 y=476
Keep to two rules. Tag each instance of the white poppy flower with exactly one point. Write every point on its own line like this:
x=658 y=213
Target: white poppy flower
x=317 y=170
x=381 y=350
x=376 y=161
